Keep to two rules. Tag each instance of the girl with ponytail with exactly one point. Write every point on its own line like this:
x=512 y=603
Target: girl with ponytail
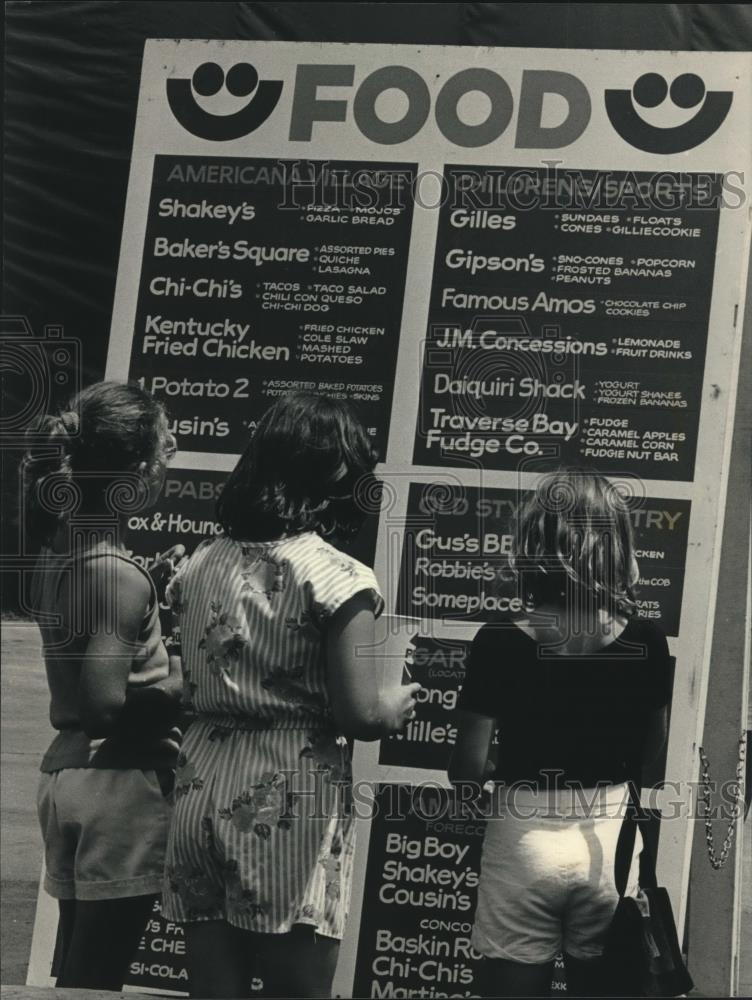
x=114 y=690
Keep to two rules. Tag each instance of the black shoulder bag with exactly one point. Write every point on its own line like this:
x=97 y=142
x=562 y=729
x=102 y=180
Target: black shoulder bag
x=642 y=953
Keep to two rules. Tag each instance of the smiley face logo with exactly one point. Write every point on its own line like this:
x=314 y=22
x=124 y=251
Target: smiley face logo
x=208 y=80
x=650 y=90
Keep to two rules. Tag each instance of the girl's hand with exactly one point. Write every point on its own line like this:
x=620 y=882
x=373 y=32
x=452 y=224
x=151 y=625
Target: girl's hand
x=164 y=567
x=398 y=705
x=175 y=738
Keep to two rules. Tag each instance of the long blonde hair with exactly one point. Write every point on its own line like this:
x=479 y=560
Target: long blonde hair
x=574 y=532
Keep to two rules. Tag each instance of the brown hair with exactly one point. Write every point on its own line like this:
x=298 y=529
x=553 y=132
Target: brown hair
x=75 y=458
x=307 y=463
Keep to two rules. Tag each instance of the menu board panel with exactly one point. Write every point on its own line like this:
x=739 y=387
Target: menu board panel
x=419 y=896
x=576 y=334
x=257 y=280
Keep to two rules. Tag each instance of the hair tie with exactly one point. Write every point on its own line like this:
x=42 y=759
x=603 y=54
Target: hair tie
x=69 y=422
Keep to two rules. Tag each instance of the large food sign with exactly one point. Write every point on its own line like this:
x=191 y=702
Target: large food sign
x=507 y=259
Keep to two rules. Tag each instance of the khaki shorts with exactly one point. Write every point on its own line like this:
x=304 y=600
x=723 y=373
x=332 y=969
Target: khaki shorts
x=105 y=832
x=547 y=879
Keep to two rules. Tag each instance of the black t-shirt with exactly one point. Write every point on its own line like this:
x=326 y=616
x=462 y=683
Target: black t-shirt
x=583 y=719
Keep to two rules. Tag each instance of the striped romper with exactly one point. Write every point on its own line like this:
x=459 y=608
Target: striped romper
x=262 y=835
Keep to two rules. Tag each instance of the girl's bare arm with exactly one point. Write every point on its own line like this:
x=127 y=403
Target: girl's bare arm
x=471 y=762
x=361 y=709
x=111 y=599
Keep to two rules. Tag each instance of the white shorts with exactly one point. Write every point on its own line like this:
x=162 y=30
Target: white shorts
x=547 y=877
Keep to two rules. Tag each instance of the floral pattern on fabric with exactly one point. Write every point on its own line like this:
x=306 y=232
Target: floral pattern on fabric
x=307 y=913
x=257 y=810
x=249 y=724
x=331 y=862
x=198 y=893
x=262 y=573
x=342 y=563
x=207 y=827
x=186 y=778
x=239 y=900
x=287 y=684
x=223 y=644
x=304 y=624
x=204 y=899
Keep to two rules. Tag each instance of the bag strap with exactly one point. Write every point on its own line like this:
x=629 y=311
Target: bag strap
x=633 y=817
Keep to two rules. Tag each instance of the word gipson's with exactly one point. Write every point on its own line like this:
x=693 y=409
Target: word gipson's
x=474 y=262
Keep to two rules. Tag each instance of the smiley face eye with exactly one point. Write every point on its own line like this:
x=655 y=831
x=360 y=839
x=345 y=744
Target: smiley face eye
x=208 y=79
x=241 y=80
x=687 y=90
x=650 y=90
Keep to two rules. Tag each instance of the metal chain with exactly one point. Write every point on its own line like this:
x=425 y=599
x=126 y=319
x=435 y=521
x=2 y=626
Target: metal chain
x=719 y=860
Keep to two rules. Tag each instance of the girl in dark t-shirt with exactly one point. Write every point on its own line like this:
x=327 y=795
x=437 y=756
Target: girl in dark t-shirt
x=576 y=689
